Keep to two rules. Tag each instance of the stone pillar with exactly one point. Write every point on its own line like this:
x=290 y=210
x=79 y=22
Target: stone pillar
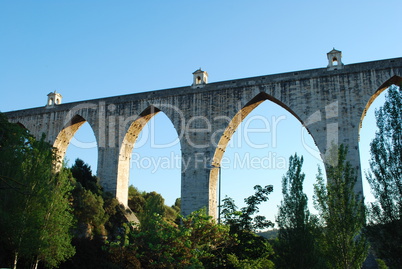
x=107 y=170
x=338 y=125
x=196 y=189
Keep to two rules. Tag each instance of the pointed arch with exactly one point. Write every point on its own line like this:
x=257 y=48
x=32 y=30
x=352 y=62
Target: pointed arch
x=368 y=128
x=229 y=132
x=64 y=137
x=134 y=131
x=238 y=118
x=21 y=125
x=395 y=80
x=24 y=128
x=126 y=148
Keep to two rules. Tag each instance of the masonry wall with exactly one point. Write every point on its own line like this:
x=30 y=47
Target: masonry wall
x=331 y=104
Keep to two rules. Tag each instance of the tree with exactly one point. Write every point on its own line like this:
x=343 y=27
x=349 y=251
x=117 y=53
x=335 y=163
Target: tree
x=35 y=216
x=154 y=204
x=89 y=212
x=173 y=212
x=136 y=200
x=251 y=249
x=145 y=204
x=83 y=174
x=342 y=214
x=244 y=220
x=177 y=205
x=102 y=226
x=88 y=202
x=296 y=246
x=385 y=179
x=54 y=244
x=195 y=243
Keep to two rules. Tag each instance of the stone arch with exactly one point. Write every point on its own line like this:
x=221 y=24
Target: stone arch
x=228 y=133
x=239 y=117
x=368 y=127
x=126 y=148
x=21 y=125
x=395 y=80
x=66 y=134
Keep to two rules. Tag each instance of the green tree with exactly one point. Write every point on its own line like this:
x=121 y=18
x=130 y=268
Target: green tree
x=89 y=212
x=154 y=204
x=102 y=226
x=177 y=205
x=83 y=174
x=342 y=213
x=244 y=219
x=88 y=202
x=296 y=246
x=195 y=243
x=385 y=179
x=136 y=200
x=145 y=204
x=251 y=249
x=54 y=243
x=35 y=216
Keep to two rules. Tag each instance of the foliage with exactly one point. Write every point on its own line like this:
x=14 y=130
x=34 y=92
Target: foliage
x=262 y=262
x=145 y=204
x=177 y=205
x=154 y=204
x=164 y=244
x=136 y=200
x=99 y=218
x=381 y=264
x=83 y=174
x=90 y=253
x=117 y=225
x=342 y=213
x=35 y=216
x=89 y=212
x=296 y=246
x=88 y=202
x=54 y=243
x=243 y=220
x=243 y=225
x=385 y=179
x=172 y=212
x=124 y=257
x=271 y=234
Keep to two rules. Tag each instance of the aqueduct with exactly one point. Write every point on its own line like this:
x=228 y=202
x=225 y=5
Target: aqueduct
x=330 y=102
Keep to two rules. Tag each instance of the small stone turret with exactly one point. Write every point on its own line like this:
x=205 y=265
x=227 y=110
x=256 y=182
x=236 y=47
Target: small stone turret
x=200 y=78
x=334 y=59
x=53 y=99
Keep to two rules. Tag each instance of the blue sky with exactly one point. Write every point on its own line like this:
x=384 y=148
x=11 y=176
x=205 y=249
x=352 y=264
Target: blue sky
x=92 y=49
